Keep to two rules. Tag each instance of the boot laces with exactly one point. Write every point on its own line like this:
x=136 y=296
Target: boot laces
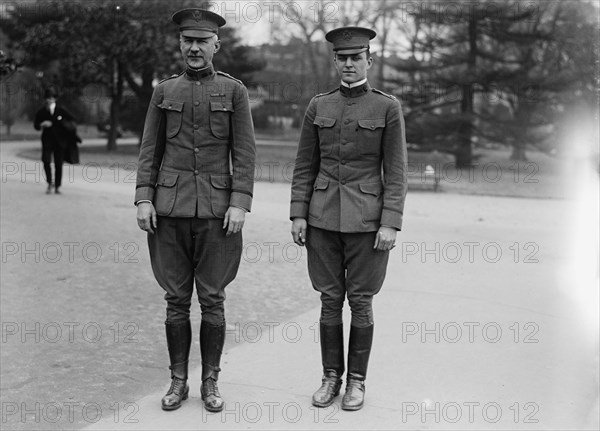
x=177 y=386
x=210 y=387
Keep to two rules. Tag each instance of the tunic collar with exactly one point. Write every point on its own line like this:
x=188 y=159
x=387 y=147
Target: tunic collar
x=198 y=74
x=355 y=91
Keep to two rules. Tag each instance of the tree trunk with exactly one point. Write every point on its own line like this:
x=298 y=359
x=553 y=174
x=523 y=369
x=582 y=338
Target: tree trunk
x=518 y=152
x=114 y=124
x=115 y=105
x=520 y=133
x=464 y=153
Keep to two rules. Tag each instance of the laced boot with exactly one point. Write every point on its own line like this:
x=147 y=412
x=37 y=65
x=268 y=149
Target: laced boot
x=332 y=358
x=179 y=339
x=359 y=349
x=212 y=339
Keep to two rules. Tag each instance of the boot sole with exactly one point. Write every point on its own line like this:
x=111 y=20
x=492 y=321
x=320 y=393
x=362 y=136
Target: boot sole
x=352 y=408
x=316 y=404
x=213 y=410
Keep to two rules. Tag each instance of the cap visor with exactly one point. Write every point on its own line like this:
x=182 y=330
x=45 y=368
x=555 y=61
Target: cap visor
x=200 y=34
x=351 y=51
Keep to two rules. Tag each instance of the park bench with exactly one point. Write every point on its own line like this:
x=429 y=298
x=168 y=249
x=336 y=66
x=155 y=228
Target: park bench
x=422 y=176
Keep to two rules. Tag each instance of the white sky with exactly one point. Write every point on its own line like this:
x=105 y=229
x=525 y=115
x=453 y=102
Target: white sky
x=264 y=20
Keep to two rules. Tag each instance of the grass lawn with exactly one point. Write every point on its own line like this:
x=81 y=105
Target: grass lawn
x=493 y=173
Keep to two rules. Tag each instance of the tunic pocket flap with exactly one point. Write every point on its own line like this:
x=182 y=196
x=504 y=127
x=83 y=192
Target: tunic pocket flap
x=374 y=189
x=167 y=179
x=221 y=181
x=321 y=184
x=372 y=124
x=216 y=106
x=171 y=105
x=324 y=121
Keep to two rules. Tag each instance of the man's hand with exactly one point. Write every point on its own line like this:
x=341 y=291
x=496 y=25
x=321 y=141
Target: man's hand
x=299 y=231
x=146 y=216
x=234 y=220
x=46 y=123
x=385 y=238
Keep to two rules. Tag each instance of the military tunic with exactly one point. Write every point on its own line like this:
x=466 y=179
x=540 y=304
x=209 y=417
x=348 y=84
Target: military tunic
x=193 y=125
x=196 y=160
x=350 y=172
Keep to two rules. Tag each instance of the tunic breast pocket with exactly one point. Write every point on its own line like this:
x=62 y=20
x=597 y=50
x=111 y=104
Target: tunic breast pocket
x=220 y=118
x=326 y=131
x=369 y=136
x=174 y=113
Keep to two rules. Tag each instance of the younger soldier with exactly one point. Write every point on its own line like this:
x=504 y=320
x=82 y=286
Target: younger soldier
x=347 y=203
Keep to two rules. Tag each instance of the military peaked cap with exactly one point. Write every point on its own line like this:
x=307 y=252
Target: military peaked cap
x=350 y=40
x=198 y=23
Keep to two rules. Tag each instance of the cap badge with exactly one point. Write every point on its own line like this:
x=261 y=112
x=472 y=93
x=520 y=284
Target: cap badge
x=347 y=35
x=197 y=15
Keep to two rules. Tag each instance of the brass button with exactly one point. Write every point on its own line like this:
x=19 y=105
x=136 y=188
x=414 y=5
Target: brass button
x=196 y=103
x=196 y=150
x=343 y=162
x=196 y=126
x=195 y=172
x=372 y=127
x=343 y=182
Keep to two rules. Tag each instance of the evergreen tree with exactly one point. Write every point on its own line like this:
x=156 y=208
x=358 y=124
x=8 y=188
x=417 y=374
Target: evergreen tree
x=474 y=57
x=113 y=45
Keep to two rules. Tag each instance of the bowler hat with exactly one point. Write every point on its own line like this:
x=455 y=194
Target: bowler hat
x=199 y=23
x=50 y=92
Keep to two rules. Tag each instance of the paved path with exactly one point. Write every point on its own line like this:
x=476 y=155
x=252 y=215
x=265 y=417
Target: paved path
x=477 y=326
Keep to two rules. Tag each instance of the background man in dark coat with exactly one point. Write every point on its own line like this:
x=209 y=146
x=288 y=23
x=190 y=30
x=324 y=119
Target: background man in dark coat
x=347 y=203
x=191 y=202
x=58 y=132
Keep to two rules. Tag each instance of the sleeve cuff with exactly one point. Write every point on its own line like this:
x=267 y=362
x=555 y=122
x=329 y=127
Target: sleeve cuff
x=241 y=200
x=144 y=194
x=391 y=219
x=298 y=209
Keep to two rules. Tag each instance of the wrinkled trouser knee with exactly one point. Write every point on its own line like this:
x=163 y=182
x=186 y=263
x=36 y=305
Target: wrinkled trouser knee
x=344 y=265
x=188 y=251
